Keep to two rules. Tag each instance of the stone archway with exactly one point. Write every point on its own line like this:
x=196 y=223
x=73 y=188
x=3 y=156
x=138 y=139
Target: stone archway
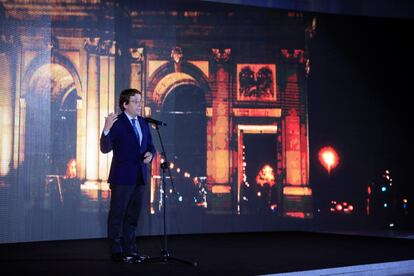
x=164 y=79
x=48 y=125
x=180 y=99
x=51 y=57
x=168 y=83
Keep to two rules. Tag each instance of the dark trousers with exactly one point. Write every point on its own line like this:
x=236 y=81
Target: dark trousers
x=125 y=208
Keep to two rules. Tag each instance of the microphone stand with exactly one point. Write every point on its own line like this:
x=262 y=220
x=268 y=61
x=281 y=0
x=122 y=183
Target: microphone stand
x=165 y=255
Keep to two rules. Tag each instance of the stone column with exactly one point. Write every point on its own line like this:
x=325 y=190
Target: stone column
x=106 y=97
x=295 y=124
x=295 y=138
x=218 y=153
x=6 y=106
x=92 y=109
x=137 y=60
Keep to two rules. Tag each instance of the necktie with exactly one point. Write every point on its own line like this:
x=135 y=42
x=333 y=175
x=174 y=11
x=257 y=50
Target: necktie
x=136 y=130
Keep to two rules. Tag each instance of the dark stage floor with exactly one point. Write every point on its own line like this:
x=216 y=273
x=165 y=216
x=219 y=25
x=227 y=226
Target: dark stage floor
x=216 y=254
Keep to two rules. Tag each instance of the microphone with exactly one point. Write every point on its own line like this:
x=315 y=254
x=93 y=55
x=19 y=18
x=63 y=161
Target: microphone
x=155 y=122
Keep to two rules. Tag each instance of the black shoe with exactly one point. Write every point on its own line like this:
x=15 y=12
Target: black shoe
x=117 y=257
x=129 y=260
x=135 y=257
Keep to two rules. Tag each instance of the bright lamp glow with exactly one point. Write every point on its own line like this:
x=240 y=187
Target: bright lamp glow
x=329 y=158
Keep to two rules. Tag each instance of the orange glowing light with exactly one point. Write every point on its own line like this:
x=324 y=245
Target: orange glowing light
x=266 y=176
x=295 y=214
x=202 y=204
x=329 y=158
x=221 y=189
x=297 y=191
x=71 y=169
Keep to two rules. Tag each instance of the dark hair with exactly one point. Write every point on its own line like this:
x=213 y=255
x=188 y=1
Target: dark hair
x=124 y=97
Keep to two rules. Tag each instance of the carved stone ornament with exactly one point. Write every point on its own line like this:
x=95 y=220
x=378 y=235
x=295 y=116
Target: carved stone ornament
x=105 y=46
x=294 y=54
x=300 y=56
x=92 y=45
x=177 y=54
x=137 y=54
x=221 y=55
x=51 y=42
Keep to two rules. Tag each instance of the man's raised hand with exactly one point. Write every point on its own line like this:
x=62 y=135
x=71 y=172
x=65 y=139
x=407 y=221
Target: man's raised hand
x=110 y=120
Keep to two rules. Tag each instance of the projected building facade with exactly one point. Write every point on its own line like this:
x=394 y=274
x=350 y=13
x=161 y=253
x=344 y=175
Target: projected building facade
x=231 y=85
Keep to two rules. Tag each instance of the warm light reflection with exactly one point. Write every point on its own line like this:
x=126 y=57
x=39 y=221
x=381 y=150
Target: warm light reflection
x=258 y=129
x=221 y=189
x=302 y=191
x=258 y=112
x=295 y=214
x=329 y=158
x=94 y=190
x=343 y=207
x=71 y=169
x=202 y=204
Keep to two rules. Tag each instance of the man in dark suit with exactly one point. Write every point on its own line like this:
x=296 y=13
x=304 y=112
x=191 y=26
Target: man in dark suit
x=129 y=136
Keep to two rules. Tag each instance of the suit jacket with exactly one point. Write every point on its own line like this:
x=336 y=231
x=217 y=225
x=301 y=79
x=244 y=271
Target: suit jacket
x=127 y=167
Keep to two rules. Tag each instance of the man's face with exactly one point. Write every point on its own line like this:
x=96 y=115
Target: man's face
x=133 y=108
